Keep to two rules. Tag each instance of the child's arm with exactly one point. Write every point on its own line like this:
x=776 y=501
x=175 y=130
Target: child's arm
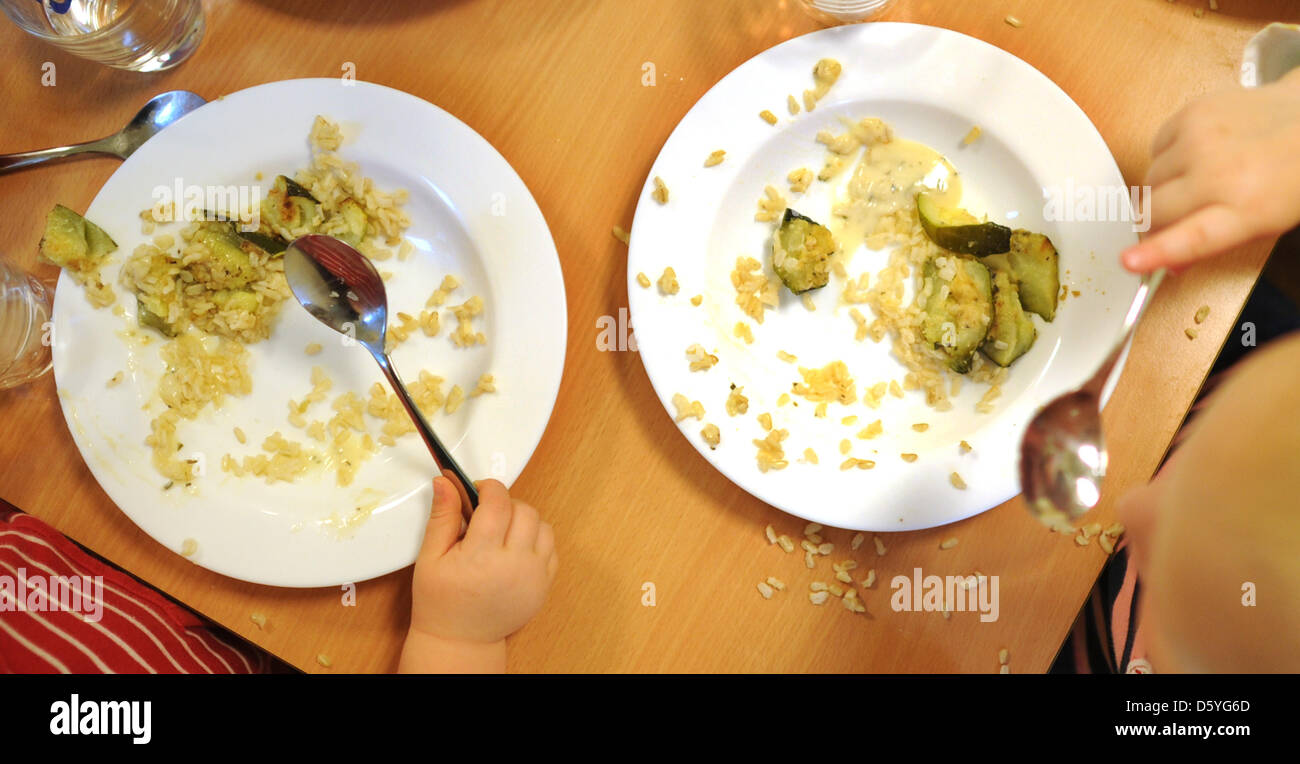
x=467 y=596
x=1225 y=171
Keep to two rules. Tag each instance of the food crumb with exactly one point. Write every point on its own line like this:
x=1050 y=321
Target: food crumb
x=1015 y=22
x=668 y=282
x=965 y=447
x=660 y=194
x=324 y=660
x=948 y=543
x=115 y=379
x=621 y=235
x=765 y=589
x=768 y=117
x=1201 y=314
x=972 y=136
x=312 y=348
x=1191 y=333
x=715 y=158
x=711 y=435
x=880 y=546
x=239 y=436
x=857 y=541
x=792 y=104
x=697 y=299
x=189 y=547
x=957 y=482
x=776 y=583
x=259 y=619
x=643 y=280
x=909 y=458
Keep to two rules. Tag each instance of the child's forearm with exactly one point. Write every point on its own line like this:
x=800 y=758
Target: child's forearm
x=426 y=654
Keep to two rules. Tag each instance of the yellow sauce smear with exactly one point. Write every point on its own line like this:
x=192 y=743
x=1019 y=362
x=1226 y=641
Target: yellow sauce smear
x=887 y=179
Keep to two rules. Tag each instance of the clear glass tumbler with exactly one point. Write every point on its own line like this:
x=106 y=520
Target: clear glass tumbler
x=139 y=35
x=25 y=333
x=844 y=11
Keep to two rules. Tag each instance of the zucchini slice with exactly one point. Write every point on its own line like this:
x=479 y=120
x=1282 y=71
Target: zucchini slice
x=229 y=262
x=956 y=230
x=263 y=238
x=289 y=206
x=148 y=312
x=958 y=309
x=801 y=253
x=1011 y=333
x=70 y=241
x=1035 y=264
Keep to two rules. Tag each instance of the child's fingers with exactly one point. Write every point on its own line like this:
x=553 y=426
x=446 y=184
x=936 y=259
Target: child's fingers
x=1175 y=200
x=523 y=527
x=444 y=520
x=545 y=539
x=1166 y=166
x=1166 y=135
x=1206 y=232
x=492 y=518
x=466 y=509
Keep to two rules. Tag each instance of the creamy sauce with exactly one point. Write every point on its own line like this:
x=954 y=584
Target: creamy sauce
x=886 y=180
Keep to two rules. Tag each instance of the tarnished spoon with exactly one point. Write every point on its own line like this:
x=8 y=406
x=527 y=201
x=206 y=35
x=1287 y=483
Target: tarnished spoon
x=1063 y=454
x=159 y=112
x=342 y=289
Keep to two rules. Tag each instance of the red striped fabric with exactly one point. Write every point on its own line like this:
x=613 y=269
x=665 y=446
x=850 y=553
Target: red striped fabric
x=118 y=626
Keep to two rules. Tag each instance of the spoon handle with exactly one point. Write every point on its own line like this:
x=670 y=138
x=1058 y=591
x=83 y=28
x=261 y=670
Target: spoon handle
x=1146 y=290
x=440 y=453
x=9 y=162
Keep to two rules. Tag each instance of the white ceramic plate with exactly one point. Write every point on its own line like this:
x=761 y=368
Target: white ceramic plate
x=471 y=216
x=931 y=85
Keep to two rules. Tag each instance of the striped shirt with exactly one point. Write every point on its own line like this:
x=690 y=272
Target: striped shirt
x=65 y=611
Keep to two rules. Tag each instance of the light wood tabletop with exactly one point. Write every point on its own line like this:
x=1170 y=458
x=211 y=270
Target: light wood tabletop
x=556 y=87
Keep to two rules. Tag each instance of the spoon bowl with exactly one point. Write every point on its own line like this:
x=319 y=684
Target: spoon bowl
x=341 y=288
x=1063 y=453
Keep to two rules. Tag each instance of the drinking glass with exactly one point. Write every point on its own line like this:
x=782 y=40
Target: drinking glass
x=139 y=35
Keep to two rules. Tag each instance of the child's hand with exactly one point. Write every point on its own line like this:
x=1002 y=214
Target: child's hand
x=469 y=595
x=1226 y=170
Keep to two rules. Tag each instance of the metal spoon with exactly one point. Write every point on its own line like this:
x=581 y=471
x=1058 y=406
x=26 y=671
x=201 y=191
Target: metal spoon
x=1063 y=454
x=159 y=112
x=342 y=289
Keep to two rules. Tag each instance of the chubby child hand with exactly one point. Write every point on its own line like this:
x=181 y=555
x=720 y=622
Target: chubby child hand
x=468 y=594
x=1225 y=171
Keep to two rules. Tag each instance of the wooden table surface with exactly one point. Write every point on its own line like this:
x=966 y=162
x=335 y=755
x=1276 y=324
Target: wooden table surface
x=556 y=87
